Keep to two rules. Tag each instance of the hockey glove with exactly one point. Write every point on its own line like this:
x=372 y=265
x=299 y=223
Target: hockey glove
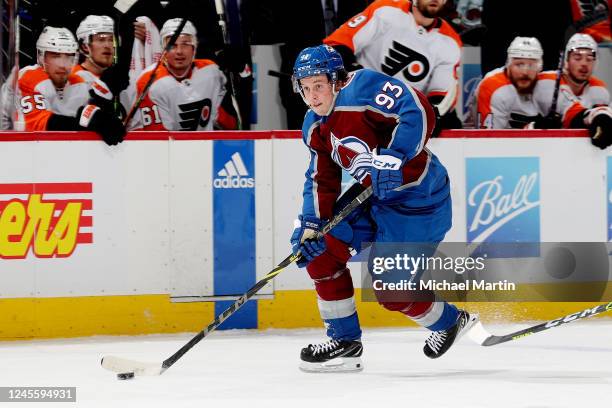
x=306 y=238
x=107 y=125
x=386 y=172
x=115 y=78
x=599 y=122
x=552 y=121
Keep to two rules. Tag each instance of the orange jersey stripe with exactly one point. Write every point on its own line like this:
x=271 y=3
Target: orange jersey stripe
x=486 y=89
x=345 y=33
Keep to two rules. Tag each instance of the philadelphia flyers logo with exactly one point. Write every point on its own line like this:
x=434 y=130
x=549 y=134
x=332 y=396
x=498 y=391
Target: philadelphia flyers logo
x=195 y=113
x=413 y=65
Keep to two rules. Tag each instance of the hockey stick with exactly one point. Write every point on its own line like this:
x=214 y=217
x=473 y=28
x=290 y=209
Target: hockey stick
x=121 y=7
x=125 y=366
x=145 y=90
x=220 y=8
x=124 y=5
x=481 y=336
x=571 y=30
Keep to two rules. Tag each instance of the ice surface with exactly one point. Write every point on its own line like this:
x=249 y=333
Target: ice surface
x=569 y=366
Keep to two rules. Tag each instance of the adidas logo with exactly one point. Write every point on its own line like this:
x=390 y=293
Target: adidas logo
x=234 y=174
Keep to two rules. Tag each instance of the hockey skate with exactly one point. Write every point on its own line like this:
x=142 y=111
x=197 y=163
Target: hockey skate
x=439 y=342
x=332 y=356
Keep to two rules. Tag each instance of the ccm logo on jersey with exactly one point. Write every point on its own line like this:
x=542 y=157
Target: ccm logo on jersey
x=46 y=217
x=234 y=174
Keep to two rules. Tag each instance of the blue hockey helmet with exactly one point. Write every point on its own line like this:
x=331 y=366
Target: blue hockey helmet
x=319 y=60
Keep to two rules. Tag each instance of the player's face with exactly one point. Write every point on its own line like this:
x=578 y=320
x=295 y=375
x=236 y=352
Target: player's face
x=580 y=64
x=102 y=49
x=318 y=93
x=58 y=67
x=523 y=73
x=181 y=55
x=430 y=8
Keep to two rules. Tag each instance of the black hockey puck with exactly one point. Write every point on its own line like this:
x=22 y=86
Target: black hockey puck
x=125 y=376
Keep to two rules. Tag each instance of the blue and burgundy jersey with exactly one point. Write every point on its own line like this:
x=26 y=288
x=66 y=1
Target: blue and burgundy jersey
x=371 y=110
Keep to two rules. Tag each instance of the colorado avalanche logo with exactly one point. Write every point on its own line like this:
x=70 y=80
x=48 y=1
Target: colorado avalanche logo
x=353 y=155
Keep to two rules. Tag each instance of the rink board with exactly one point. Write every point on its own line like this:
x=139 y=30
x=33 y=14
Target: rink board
x=99 y=240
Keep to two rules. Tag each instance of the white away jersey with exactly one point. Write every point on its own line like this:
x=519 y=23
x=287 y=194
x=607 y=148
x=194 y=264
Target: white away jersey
x=190 y=104
x=500 y=106
x=38 y=99
x=386 y=38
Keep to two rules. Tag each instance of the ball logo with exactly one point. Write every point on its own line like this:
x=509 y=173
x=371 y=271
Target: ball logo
x=234 y=174
x=503 y=199
x=353 y=155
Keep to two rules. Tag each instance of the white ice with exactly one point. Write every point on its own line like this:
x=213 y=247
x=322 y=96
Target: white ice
x=568 y=366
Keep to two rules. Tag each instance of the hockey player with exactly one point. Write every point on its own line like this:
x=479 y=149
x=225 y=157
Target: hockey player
x=578 y=78
x=187 y=93
x=374 y=127
x=520 y=96
x=51 y=98
x=97 y=45
x=505 y=95
x=406 y=40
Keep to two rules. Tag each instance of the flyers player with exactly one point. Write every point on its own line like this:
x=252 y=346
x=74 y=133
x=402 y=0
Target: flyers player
x=505 y=95
x=405 y=40
x=520 y=96
x=578 y=78
x=51 y=98
x=97 y=45
x=376 y=128
x=187 y=93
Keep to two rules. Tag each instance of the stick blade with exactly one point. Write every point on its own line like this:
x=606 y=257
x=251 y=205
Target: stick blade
x=123 y=365
x=479 y=334
x=124 y=5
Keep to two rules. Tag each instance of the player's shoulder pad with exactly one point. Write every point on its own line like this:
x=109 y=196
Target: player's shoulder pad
x=311 y=121
x=148 y=71
x=447 y=30
x=547 y=76
x=74 y=79
x=77 y=68
x=495 y=79
x=203 y=63
x=403 y=5
x=594 y=81
x=363 y=85
x=31 y=76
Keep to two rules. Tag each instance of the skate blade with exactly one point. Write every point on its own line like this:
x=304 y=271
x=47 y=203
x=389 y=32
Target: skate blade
x=337 y=365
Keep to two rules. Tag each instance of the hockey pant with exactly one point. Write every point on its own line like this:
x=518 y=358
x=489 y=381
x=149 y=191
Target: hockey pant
x=382 y=228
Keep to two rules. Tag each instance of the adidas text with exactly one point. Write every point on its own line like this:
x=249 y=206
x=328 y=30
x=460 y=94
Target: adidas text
x=234 y=182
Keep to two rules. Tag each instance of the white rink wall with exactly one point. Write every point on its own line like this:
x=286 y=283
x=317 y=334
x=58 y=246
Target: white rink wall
x=151 y=220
